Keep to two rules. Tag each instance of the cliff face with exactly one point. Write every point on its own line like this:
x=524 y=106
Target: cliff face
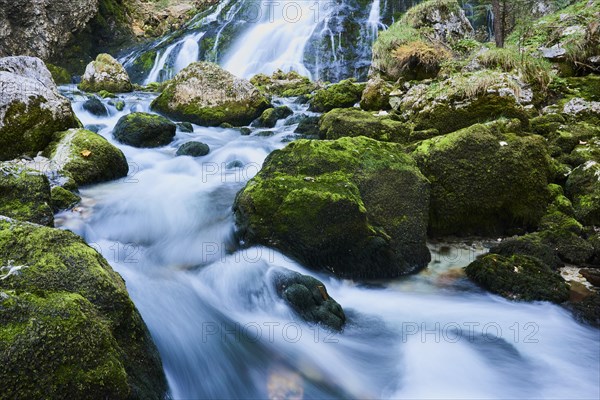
x=41 y=27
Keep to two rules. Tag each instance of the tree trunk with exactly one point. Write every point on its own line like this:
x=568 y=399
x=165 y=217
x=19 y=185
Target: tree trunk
x=499 y=10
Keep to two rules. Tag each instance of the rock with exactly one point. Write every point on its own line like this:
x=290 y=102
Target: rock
x=226 y=125
x=308 y=126
x=352 y=122
x=68 y=326
x=464 y=99
x=86 y=157
x=376 y=95
x=308 y=297
x=583 y=109
x=31 y=109
x=518 y=278
x=60 y=76
x=144 y=130
x=41 y=28
x=119 y=105
x=270 y=116
x=25 y=194
x=95 y=107
x=588 y=310
x=283 y=84
x=63 y=199
x=95 y=127
x=185 y=127
x=578 y=292
x=265 y=133
x=105 y=73
x=529 y=245
x=355 y=207
x=193 y=149
x=486 y=180
x=563 y=233
x=205 y=94
x=591 y=275
x=245 y=131
x=583 y=187
x=446 y=19
x=338 y=95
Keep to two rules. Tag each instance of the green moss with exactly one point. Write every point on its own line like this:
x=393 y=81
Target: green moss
x=353 y=122
x=376 y=95
x=105 y=94
x=283 y=84
x=87 y=157
x=28 y=128
x=142 y=66
x=269 y=117
x=62 y=199
x=339 y=95
x=486 y=180
x=144 y=130
x=60 y=75
x=25 y=195
x=72 y=330
x=584 y=190
x=518 y=278
x=113 y=76
x=336 y=205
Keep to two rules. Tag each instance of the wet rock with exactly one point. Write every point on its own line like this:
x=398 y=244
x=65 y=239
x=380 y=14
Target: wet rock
x=95 y=107
x=591 y=275
x=185 y=127
x=193 y=149
x=63 y=199
x=105 y=73
x=270 y=116
x=144 y=130
x=338 y=95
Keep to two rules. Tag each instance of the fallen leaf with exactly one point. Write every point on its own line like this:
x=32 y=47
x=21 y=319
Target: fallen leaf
x=86 y=153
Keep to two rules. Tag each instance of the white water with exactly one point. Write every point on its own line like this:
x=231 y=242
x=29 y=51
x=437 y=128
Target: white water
x=167 y=229
x=277 y=39
x=188 y=52
x=374 y=21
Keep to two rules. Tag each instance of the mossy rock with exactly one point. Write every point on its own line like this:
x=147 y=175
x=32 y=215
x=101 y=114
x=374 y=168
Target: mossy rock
x=63 y=199
x=290 y=84
x=193 y=149
x=86 y=157
x=355 y=207
x=376 y=95
x=564 y=234
x=25 y=194
x=141 y=67
x=105 y=73
x=583 y=187
x=308 y=297
x=530 y=245
x=205 y=94
x=308 y=126
x=588 y=310
x=338 y=95
x=351 y=122
x=95 y=107
x=269 y=117
x=67 y=325
x=518 y=277
x=487 y=179
x=547 y=124
x=185 y=127
x=60 y=75
x=144 y=130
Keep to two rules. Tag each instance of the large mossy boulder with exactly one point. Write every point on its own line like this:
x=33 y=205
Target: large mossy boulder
x=354 y=206
x=205 y=94
x=86 y=157
x=338 y=95
x=105 y=73
x=376 y=95
x=68 y=328
x=518 y=277
x=414 y=47
x=351 y=122
x=488 y=179
x=31 y=109
x=290 y=84
x=269 y=117
x=308 y=297
x=583 y=187
x=144 y=130
x=25 y=194
x=464 y=99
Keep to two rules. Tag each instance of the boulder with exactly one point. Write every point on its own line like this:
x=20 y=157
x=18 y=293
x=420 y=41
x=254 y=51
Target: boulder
x=86 y=157
x=583 y=187
x=269 y=117
x=144 y=130
x=462 y=100
x=68 y=328
x=95 y=107
x=530 y=245
x=105 y=73
x=308 y=126
x=354 y=206
x=338 y=95
x=518 y=277
x=63 y=199
x=193 y=149
x=308 y=297
x=487 y=179
x=205 y=94
x=25 y=194
x=445 y=19
x=31 y=109
x=352 y=122
x=376 y=95
x=290 y=84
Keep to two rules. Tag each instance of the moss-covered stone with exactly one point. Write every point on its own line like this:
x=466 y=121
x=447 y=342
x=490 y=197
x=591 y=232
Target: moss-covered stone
x=283 y=84
x=355 y=207
x=564 y=234
x=63 y=199
x=588 y=310
x=308 y=126
x=376 y=95
x=351 y=122
x=95 y=107
x=105 y=73
x=193 y=149
x=486 y=180
x=86 y=157
x=338 y=95
x=309 y=298
x=518 y=277
x=60 y=75
x=25 y=194
x=583 y=187
x=530 y=245
x=205 y=94
x=269 y=117
x=144 y=130
x=67 y=325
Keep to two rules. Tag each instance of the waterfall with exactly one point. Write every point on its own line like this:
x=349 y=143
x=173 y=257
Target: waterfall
x=374 y=21
x=170 y=62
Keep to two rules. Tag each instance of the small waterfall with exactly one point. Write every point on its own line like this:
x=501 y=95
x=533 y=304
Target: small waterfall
x=374 y=19
x=170 y=62
x=188 y=53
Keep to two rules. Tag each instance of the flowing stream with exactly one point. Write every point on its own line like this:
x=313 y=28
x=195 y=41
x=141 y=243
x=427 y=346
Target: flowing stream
x=222 y=331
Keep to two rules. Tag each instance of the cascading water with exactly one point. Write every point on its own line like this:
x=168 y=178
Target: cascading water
x=175 y=58
x=223 y=332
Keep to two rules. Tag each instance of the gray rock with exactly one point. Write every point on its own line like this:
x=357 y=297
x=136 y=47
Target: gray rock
x=193 y=149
